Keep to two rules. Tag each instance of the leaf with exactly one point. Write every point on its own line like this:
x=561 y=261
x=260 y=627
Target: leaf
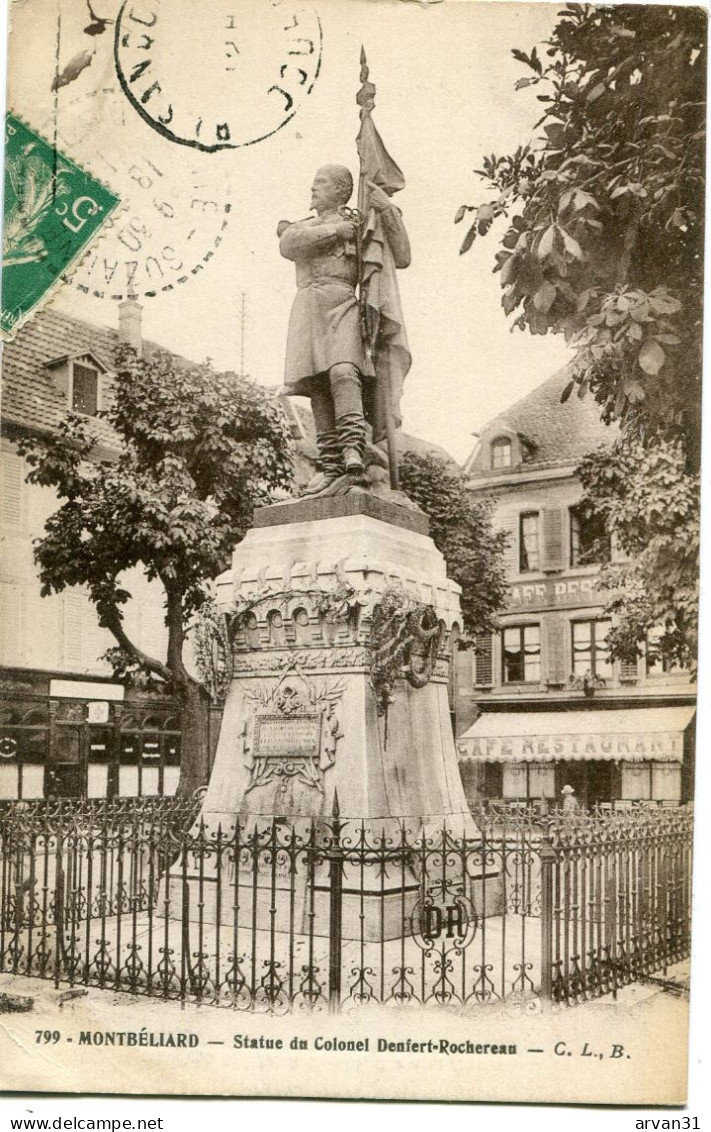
x=509 y=300
x=597 y=91
x=651 y=357
x=572 y=246
x=555 y=132
x=484 y=218
x=545 y=246
x=567 y=391
x=544 y=297
x=461 y=212
x=663 y=303
x=520 y=84
x=468 y=239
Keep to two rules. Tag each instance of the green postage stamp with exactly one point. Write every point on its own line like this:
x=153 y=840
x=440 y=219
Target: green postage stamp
x=53 y=209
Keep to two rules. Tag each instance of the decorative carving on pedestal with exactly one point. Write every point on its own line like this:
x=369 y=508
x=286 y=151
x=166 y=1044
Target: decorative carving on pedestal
x=293 y=731
x=405 y=638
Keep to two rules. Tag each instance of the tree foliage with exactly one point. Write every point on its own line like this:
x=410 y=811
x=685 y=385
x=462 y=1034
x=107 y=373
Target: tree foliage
x=647 y=498
x=461 y=529
x=605 y=208
x=196 y=452
x=604 y=245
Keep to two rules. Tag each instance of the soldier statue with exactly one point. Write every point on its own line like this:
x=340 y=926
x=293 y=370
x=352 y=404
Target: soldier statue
x=327 y=359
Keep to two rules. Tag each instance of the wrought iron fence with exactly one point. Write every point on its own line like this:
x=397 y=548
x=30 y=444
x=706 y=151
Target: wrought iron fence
x=281 y=915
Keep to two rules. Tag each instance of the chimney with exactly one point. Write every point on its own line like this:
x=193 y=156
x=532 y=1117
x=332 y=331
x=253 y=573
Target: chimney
x=129 y=324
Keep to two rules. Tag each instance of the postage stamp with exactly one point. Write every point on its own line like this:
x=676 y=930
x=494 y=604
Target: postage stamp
x=246 y=74
x=53 y=209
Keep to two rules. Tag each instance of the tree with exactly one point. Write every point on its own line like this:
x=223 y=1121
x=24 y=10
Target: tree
x=647 y=499
x=196 y=452
x=605 y=204
x=461 y=529
x=604 y=245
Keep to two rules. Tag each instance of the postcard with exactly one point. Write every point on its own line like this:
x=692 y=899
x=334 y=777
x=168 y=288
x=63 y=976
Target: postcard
x=351 y=442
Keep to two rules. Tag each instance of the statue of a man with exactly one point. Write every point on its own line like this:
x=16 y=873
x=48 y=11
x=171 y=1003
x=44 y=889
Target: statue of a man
x=326 y=358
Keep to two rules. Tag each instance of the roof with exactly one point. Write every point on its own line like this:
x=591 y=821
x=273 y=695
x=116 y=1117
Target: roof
x=30 y=397
x=553 y=433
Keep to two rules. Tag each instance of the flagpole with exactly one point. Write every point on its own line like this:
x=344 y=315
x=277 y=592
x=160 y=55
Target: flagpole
x=383 y=396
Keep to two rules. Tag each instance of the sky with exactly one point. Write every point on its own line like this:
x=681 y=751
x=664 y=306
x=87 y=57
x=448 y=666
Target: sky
x=444 y=76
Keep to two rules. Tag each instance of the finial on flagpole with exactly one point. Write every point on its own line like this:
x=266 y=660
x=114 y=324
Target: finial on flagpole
x=366 y=95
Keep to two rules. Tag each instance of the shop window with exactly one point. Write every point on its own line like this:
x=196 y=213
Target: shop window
x=522 y=654
x=541 y=780
x=529 y=543
x=501 y=453
x=589 y=541
x=85 y=389
x=591 y=652
x=636 y=782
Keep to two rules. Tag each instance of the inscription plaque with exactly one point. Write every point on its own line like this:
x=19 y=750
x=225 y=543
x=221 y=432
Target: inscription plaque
x=277 y=737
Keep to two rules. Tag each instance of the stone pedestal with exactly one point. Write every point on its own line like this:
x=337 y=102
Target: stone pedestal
x=302 y=720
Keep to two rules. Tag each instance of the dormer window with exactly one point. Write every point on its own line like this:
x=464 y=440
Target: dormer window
x=85 y=389
x=501 y=453
x=80 y=378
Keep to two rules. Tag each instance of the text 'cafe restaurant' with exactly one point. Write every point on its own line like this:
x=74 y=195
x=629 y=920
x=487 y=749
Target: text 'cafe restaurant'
x=607 y=756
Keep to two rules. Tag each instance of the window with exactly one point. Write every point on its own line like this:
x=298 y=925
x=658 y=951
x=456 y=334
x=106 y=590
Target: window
x=529 y=543
x=589 y=540
x=522 y=654
x=501 y=452
x=85 y=389
x=591 y=653
x=656 y=662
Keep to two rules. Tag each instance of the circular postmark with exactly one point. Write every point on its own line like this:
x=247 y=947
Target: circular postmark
x=171 y=220
x=219 y=75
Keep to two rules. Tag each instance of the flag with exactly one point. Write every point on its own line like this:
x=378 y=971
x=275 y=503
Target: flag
x=382 y=322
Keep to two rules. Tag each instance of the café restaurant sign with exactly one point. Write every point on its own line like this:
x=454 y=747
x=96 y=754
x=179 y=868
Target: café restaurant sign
x=656 y=746
x=555 y=593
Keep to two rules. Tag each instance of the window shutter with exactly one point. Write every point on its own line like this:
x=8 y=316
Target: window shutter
x=553 y=539
x=73 y=622
x=554 y=659
x=508 y=523
x=12 y=483
x=483 y=663
x=11 y=623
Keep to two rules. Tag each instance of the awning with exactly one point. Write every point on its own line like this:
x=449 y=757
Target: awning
x=631 y=735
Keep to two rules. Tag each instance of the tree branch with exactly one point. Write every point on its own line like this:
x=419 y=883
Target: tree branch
x=114 y=624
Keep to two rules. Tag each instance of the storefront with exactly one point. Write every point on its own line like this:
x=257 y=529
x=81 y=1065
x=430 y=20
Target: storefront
x=86 y=739
x=634 y=754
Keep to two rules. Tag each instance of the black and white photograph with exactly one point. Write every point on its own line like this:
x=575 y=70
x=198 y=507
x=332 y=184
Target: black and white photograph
x=351 y=467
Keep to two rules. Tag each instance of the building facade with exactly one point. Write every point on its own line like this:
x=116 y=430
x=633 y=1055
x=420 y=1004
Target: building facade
x=541 y=704
x=67 y=728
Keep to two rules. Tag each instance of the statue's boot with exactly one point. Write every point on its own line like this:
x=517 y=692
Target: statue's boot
x=350 y=422
x=329 y=463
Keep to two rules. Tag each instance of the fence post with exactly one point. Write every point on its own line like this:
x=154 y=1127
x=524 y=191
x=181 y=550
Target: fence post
x=335 y=911
x=547 y=857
